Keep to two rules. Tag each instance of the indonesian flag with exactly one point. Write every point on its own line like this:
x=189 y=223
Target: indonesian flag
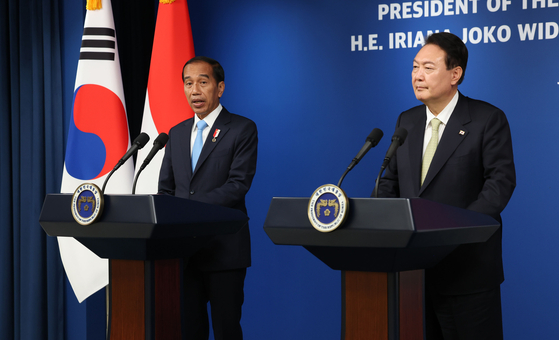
x=97 y=138
x=166 y=104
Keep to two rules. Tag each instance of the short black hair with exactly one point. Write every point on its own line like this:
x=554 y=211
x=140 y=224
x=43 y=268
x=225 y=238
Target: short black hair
x=218 y=72
x=455 y=49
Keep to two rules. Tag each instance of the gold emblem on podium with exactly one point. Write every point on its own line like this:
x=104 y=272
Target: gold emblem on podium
x=328 y=208
x=87 y=204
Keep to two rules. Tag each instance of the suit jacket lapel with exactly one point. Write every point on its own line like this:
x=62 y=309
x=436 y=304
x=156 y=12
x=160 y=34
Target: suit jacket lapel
x=209 y=145
x=184 y=144
x=454 y=133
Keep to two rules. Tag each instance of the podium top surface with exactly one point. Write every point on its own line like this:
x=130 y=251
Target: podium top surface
x=142 y=217
x=380 y=223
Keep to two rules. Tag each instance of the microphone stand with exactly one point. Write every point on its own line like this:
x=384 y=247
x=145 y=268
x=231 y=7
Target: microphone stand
x=375 y=195
x=136 y=178
x=107 y=179
x=343 y=176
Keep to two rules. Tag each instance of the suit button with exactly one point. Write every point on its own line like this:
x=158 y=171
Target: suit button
x=192 y=192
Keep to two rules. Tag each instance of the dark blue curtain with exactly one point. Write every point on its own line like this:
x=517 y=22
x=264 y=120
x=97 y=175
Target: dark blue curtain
x=31 y=160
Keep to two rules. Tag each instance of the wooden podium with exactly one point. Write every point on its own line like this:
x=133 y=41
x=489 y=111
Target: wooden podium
x=381 y=249
x=144 y=236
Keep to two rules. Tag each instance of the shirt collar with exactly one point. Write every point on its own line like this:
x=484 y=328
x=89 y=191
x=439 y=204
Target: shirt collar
x=445 y=114
x=211 y=118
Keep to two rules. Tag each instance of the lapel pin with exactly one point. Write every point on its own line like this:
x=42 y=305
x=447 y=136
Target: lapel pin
x=462 y=132
x=216 y=133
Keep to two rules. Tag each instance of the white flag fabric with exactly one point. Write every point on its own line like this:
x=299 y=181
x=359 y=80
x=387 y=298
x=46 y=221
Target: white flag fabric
x=166 y=104
x=97 y=138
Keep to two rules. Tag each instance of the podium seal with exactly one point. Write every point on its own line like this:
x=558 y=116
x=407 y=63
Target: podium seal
x=328 y=208
x=87 y=203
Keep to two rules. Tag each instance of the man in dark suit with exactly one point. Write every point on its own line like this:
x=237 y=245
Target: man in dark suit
x=222 y=175
x=471 y=167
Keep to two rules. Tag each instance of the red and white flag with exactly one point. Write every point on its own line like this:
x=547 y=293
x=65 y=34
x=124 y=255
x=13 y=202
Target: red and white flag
x=97 y=138
x=166 y=104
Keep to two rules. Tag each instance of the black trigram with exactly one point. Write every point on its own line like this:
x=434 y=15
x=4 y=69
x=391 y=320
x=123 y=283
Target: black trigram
x=107 y=41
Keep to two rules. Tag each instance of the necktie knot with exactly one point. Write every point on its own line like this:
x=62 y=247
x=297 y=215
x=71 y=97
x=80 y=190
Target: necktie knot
x=431 y=148
x=201 y=125
x=435 y=124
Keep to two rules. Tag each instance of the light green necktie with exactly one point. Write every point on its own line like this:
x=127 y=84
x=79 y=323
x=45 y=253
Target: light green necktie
x=431 y=148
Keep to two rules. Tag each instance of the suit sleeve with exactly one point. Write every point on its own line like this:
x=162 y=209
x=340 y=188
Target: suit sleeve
x=498 y=167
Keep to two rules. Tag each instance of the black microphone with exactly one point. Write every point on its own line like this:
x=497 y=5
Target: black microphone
x=371 y=141
x=397 y=139
x=138 y=143
x=158 y=144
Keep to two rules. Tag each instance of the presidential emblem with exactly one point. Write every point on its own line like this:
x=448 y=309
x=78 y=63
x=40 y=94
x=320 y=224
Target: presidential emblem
x=328 y=208
x=87 y=203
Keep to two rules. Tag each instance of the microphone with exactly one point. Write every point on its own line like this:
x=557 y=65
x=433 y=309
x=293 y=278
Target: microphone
x=370 y=142
x=138 y=143
x=397 y=139
x=158 y=144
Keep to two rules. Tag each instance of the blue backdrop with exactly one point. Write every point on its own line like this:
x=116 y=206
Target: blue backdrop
x=318 y=76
